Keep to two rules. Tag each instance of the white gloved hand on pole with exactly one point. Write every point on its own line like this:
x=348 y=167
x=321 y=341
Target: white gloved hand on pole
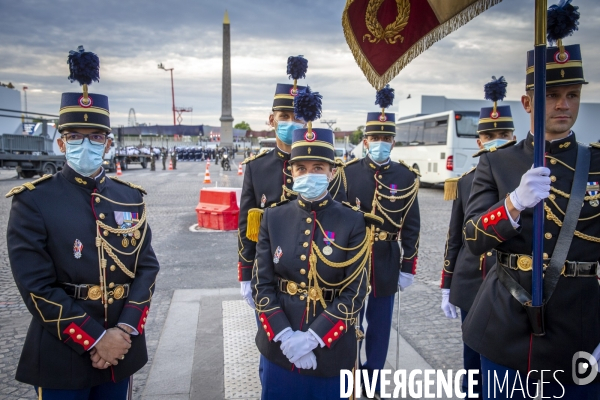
x=405 y=280
x=534 y=187
x=448 y=308
x=298 y=345
x=246 y=292
x=308 y=361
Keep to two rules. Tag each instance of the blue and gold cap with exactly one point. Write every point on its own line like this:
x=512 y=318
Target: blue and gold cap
x=495 y=117
x=316 y=145
x=382 y=123
x=564 y=64
x=284 y=92
x=84 y=110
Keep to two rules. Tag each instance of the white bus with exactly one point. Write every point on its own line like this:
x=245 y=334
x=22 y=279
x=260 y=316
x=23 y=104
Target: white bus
x=440 y=146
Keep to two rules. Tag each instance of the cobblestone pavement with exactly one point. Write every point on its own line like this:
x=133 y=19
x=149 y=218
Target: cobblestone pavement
x=208 y=260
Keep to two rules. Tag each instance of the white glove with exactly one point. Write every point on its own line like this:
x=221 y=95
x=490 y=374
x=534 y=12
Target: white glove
x=307 y=362
x=298 y=345
x=534 y=187
x=246 y=292
x=596 y=353
x=448 y=308
x=405 y=280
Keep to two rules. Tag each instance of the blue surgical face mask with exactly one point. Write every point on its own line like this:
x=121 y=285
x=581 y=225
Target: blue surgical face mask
x=311 y=186
x=380 y=151
x=285 y=129
x=85 y=158
x=494 y=143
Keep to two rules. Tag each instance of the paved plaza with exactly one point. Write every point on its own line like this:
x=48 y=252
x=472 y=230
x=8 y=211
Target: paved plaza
x=200 y=334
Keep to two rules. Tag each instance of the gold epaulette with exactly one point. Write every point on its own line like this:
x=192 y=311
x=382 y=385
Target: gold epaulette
x=451 y=186
x=352 y=161
x=255 y=218
x=131 y=185
x=371 y=219
x=493 y=149
x=27 y=185
x=595 y=145
x=252 y=158
x=413 y=170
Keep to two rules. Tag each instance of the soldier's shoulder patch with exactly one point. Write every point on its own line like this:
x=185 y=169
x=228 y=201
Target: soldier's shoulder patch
x=371 y=219
x=595 y=145
x=131 y=185
x=351 y=162
x=252 y=158
x=411 y=169
x=27 y=185
x=493 y=149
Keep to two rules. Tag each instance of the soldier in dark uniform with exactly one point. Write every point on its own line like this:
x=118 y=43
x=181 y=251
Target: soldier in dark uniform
x=500 y=214
x=388 y=189
x=463 y=272
x=268 y=175
x=309 y=279
x=174 y=156
x=80 y=251
x=164 y=154
x=152 y=159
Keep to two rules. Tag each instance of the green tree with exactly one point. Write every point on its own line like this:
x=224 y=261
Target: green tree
x=243 y=125
x=357 y=135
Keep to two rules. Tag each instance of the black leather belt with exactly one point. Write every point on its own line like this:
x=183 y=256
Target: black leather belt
x=386 y=236
x=570 y=269
x=292 y=288
x=94 y=292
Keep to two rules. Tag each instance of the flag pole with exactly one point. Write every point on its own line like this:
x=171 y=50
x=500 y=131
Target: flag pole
x=539 y=112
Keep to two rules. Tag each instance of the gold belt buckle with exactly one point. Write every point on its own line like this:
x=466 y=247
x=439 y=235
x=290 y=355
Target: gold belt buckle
x=524 y=263
x=382 y=235
x=314 y=294
x=94 y=292
x=118 y=292
x=292 y=288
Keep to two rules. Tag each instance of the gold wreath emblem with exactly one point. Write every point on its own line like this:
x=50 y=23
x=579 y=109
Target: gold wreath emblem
x=391 y=33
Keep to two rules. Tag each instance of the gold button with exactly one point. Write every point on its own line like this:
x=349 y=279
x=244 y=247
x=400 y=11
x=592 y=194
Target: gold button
x=335 y=334
x=101 y=216
x=113 y=268
x=97 y=199
x=302 y=284
x=303 y=257
x=309 y=220
x=546 y=256
x=489 y=253
x=553 y=178
x=377 y=238
x=548 y=235
x=301 y=297
x=303 y=271
x=377 y=229
x=268 y=334
x=492 y=217
x=341 y=328
x=86 y=342
x=307 y=232
x=105 y=233
x=485 y=220
x=499 y=214
x=110 y=301
x=265 y=327
x=552 y=161
x=329 y=340
x=379 y=187
x=304 y=244
x=111 y=285
x=289 y=180
x=262 y=320
x=142 y=326
x=79 y=337
x=144 y=319
x=379 y=197
x=147 y=311
x=289 y=168
x=71 y=331
x=380 y=176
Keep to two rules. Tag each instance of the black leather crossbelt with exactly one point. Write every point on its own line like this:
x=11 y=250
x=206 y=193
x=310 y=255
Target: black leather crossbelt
x=571 y=269
x=94 y=292
x=293 y=288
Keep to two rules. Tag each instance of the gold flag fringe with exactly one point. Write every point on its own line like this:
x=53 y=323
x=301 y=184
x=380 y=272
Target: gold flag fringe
x=379 y=81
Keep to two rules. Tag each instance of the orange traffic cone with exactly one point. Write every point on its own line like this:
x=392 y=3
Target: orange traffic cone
x=119 y=172
x=207 y=176
x=170 y=165
x=240 y=172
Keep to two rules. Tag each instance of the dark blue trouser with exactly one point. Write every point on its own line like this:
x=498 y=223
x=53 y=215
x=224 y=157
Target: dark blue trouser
x=281 y=384
x=471 y=360
x=551 y=389
x=377 y=337
x=109 y=390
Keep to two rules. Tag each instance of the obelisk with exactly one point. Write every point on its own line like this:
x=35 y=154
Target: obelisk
x=226 y=117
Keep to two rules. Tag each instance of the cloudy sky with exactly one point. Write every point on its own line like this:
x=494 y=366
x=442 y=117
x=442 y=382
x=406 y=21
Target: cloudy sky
x=131 y=37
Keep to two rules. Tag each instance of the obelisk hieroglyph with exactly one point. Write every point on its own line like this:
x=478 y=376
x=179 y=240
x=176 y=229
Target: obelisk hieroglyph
x=226 y=117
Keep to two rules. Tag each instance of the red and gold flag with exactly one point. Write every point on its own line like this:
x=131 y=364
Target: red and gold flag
x=385 y=35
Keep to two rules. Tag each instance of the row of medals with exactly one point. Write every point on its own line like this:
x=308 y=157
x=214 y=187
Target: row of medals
x=135 y=236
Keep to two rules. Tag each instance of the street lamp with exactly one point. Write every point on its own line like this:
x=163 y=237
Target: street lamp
x=161 y=66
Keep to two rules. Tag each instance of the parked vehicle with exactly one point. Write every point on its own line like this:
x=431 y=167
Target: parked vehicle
x=29 y=155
